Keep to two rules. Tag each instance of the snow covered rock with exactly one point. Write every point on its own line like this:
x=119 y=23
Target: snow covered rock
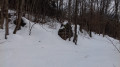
x=65 y=31
x=22 y=23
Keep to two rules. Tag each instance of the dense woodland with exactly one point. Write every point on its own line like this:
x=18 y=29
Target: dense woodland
x=99 y=16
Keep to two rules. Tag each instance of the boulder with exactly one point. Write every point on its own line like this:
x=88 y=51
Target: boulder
x=65 y=31
x=22 y=23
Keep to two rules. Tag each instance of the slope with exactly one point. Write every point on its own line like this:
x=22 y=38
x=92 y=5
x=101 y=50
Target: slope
x=44 y=48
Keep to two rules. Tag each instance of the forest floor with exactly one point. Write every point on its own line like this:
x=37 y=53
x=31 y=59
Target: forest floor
x=44 y=48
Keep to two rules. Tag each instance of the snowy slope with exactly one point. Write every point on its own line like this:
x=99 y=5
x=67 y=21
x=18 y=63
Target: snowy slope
x=44 y=48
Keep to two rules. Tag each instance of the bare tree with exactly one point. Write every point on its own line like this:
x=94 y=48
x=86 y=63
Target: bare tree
x=75 y=21
x=6 y=18
x=20 y=7
x=116 y=10
x=1 y=14
x=69 y=15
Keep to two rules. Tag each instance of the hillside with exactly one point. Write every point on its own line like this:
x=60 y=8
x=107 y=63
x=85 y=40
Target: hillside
x=44 y=48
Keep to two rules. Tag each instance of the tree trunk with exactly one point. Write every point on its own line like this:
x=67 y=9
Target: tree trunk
x=6 y=18
x=2 y=17
x=69 y=20
x=75 y=21
x=19 y=15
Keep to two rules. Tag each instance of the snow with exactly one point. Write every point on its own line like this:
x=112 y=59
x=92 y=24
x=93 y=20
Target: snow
x=65 y=22
x=44 y=48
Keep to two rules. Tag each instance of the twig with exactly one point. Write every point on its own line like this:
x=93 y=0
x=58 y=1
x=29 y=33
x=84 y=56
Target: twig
x=31 y=28
x=113 y=44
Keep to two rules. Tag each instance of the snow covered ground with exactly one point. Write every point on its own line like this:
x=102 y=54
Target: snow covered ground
x=44 y=48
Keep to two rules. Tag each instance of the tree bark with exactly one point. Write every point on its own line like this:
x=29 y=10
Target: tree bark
x=2 y=17
x=6 y=19
x=75 y=21
x=19 y=15
x=69 y=20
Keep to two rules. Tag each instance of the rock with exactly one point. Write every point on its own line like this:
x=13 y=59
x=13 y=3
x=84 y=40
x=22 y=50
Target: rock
x=65 y=31
x=22 y=23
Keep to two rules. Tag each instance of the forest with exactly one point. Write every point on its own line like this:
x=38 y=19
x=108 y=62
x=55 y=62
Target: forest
x=59 y=33
x=99 y=16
